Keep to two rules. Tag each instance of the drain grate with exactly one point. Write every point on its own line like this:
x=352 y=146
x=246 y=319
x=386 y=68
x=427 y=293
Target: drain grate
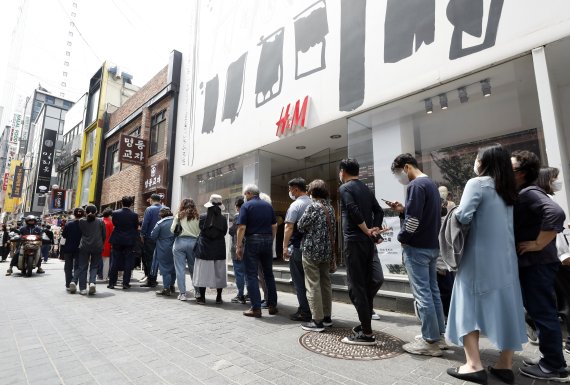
x=328 y=344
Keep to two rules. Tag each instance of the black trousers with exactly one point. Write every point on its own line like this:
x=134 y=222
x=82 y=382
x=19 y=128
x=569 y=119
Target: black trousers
x=148 y=252
x=562 y=288
x=365 y=277
x=124 y=257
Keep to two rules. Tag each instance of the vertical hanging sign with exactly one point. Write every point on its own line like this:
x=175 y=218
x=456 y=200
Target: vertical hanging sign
x=46 y=161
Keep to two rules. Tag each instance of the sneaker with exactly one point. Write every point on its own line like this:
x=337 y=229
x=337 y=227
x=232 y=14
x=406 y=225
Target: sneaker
x=182 y=297
x=300 y=317
x=67 y=289
x=359 y=339
x=441 y=343
x=72 y=287
x=164 y=292
x=531 y=361
x=566 y=349
x=92 y=289
x=40 y=271
x=143 y=279
x=531 y=334
x=313 y=326
x=327 y=321
x=423 y=348
x=375 y=317
x=9 y=271
x=238 y=299
x=357 y=329
x=83 y=292
x=536 y=372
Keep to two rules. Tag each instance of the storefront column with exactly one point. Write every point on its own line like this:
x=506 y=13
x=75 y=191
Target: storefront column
x=257 y=170
x=553 y=136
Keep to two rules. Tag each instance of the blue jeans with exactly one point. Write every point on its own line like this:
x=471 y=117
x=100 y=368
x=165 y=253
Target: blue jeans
x=91 y=259
x=422 y=272
x=239 y=273
x=298 y=277
x=183 y=251
x=45 y=252
x=537 y=285
x=259 y=250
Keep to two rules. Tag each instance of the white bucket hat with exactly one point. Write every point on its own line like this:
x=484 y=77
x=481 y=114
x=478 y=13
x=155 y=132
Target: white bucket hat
x=215 y=200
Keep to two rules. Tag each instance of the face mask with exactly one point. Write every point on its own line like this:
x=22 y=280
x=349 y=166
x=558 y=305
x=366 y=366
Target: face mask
x=340 y=177
x=292 y=196
x=556 y=185
x=402 y=177
x=476 y=167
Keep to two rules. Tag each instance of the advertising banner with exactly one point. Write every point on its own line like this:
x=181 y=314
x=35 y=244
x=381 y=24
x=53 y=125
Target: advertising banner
x=18 y=182
x=46 y=161
x=58 y=199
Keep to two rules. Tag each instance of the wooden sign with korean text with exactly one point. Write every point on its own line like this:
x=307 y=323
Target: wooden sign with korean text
x=132 y=150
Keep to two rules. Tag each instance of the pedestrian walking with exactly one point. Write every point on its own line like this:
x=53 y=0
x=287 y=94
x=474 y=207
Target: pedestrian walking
x=164 y=239
x=210 y=265
x=292 y=246
x=361 y=226
x=486 y=297
x=47 y=242
x=106 y=256
x=257 y=226
x=123 y=241
x=90 y=249
x=419 y=238
x=238 y=265
x=537 y=220
x=70 y=240
x=4 y=242
x=187 y=220
x=318 y=225
x=149 y=221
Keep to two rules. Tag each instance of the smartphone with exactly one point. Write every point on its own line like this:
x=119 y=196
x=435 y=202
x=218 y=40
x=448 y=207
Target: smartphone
x=387 y=202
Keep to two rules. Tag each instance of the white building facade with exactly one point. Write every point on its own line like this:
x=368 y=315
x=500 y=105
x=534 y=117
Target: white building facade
x=438 y=79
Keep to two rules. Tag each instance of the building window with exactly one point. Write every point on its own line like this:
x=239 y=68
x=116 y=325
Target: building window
x=112 y=164
x=63 y=84
x=67 y=53
x=73 y=14
x=136 y=131
x=64 y=74
x=157 y=132
x=69 y=43
x=66 y=63
x=92 y=107
x=85 y=186
x=89 y=145
x=70 y=34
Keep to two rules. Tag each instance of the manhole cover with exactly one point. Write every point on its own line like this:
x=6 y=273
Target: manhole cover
x=328 y=343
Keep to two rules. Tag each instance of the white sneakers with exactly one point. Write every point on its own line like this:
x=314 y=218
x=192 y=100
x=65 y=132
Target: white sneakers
x=72 y=288
x=83 y=292
x=422 y=347
x=143 y=280
x=441 y=343
x=182 y=297
x=92 y=289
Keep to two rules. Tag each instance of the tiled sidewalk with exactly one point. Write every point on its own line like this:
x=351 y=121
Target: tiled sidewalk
x=48 y=336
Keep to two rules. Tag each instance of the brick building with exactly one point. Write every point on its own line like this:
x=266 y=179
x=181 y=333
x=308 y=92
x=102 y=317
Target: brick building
x=150 y=115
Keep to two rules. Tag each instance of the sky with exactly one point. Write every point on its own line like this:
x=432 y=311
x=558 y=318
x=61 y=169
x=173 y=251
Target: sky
x=136 y=35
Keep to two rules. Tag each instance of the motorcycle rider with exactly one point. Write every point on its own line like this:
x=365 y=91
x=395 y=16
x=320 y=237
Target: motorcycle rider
x=31 y=228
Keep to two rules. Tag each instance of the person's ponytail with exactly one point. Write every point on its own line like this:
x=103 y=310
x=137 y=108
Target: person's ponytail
x=91 y=211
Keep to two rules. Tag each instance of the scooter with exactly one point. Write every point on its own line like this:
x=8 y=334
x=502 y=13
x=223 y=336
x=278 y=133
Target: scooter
x=29 y=253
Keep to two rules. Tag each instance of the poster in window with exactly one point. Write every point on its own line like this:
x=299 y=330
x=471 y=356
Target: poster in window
x=132 y=150
x=58 y=199
x=46 y=161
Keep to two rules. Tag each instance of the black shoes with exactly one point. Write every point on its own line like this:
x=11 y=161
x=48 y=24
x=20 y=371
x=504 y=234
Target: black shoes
x=479 y=377
x=359 y=339
x=327 y=321
x=164 y=292
x=300 y=317
x=151 y=284
x=125 y=287
x=505 y=375
x=313 y=326
x=239 y=299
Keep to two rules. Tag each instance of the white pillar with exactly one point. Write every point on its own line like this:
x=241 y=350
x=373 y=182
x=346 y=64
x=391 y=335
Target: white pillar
x=552 y=128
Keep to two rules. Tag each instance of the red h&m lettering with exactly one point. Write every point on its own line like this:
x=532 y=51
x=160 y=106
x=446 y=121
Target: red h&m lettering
x=298 y=118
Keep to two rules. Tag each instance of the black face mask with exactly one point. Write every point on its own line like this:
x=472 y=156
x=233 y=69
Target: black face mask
x=31 y=224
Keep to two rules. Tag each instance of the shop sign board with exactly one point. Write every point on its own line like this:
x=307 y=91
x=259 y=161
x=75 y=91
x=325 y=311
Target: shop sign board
x=132 y=150
x=46 y=161
x=155 y=176
x=5 y=181
x=18 y=182
x=58 y=199
x=290 y=123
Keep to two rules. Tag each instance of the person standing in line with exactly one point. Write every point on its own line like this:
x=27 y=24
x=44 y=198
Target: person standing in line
x=486 y=297
x=164 y=239
x=4 y=238
x=292 y=246
x=318 y=225
x=537 y=220
x=361 y=222
x=47 y=242
x=257 y=226
x=149 y=221
x=419 y=237
x=106 y=256
x=90 y=249
x=70 y=239
x=210 y=267
x=183 y=248
x=238 y=265
x=123 y=240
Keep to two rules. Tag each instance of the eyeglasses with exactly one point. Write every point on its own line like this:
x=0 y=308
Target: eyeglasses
x=517 y=169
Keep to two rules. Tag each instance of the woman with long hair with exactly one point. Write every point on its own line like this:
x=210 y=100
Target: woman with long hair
x=210 y=268
x=183 y=248
x=93 y=237
x=486 y=296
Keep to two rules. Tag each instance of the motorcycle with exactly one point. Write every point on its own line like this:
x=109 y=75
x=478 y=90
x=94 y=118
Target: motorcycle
x=29 y=252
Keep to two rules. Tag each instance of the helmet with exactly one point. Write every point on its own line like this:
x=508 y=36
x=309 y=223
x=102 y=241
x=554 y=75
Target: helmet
x=31 y=218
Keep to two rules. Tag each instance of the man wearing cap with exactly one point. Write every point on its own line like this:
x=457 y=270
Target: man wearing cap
x=151 y=216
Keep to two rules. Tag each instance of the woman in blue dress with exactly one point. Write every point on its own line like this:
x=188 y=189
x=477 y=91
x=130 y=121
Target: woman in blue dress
x=486 y=295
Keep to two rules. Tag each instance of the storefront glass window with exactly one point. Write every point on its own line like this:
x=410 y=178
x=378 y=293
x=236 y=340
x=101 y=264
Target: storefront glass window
x=89 y=145
x=85 y=184
x=443 y=128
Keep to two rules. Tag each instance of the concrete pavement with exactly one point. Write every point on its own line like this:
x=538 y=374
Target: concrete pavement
x=48 y=336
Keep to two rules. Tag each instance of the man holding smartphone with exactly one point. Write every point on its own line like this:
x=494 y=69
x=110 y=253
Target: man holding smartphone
x=361 y=226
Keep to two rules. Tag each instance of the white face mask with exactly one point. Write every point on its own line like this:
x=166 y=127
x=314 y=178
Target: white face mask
x=556 y=185
x=402 y=177
x=292 y=196
x=476 y=167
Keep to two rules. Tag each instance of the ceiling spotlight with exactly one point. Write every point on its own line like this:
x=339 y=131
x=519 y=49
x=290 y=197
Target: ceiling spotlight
x=443 y=101
x=486 y=87
x=429 y=106
x=301 y=147
x=463 y=97
x=336 y=136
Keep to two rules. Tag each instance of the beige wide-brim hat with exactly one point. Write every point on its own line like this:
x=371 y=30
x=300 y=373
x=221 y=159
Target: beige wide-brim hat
x=215 y=200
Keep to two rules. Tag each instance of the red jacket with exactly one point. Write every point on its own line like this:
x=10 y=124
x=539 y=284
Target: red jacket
x=108 y=230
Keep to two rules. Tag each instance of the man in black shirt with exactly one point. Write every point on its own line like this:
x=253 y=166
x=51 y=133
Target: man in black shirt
x=361 y=222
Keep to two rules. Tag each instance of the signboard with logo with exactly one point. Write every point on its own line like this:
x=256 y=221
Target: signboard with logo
x=290 y=122
x=132 y=149
x=58 y=199
x=155 y=176
x=5 y=181
x=18 y=182
x=45 y=163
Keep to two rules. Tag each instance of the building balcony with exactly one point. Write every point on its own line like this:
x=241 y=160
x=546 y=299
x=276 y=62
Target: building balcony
x=69 y=152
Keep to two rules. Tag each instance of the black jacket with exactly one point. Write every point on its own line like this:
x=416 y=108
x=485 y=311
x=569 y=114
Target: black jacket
x=358 y=204
x=211 y=243
x=126 y=224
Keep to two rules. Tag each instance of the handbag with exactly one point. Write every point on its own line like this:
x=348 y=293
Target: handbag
x=178 y=229
x=333 y=267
